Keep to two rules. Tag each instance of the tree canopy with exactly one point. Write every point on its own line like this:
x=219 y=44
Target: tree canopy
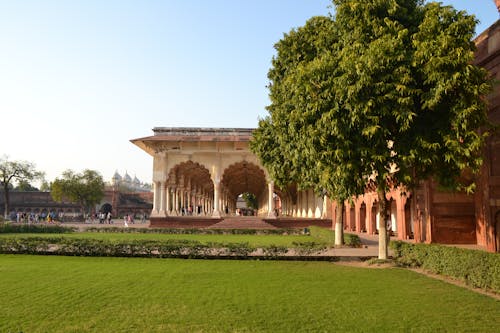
x=24 y=185
x=383 y=93
x=85 y=189
x=250 y=200
x=15 y=171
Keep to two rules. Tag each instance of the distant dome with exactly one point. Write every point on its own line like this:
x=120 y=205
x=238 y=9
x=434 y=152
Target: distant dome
x=117 y=176
x=127 y=178
x=136 y=180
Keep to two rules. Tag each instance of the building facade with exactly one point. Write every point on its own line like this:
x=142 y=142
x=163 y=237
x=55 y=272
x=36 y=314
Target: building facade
x=202 y=171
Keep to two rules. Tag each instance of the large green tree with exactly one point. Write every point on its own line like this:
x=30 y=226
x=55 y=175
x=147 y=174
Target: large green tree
x=85 y=189
x=408 y=81
x=15 y=171
x=390 y=99
x=306 y=139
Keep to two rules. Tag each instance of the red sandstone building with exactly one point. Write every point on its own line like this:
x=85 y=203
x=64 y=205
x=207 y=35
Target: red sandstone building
x=432 y=216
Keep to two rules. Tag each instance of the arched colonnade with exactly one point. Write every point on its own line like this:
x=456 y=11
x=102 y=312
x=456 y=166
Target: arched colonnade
x=361 y=214
x=202 y=171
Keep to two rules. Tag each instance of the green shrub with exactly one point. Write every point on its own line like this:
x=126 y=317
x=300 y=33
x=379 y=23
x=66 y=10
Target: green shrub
x=169 y=248
x=328 y=236
x=196 y=231
x=352 y=240
x=476 y=268
x=11 y=228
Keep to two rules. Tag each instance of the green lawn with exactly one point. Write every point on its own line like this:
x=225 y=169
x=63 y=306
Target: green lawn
x=253 y=240
x=83 y=294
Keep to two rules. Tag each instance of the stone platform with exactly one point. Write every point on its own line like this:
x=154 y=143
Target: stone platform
x=236 y=222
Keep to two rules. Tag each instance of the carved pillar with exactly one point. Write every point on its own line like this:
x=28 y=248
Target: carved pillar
x=156 y=198
x=168 y=205
x=176 y=200
x=303 y=203
x=162 y=199
x=310 y=203
x=216 y=202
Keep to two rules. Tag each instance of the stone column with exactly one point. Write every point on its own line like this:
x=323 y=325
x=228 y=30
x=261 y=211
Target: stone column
x=176 y=201
x=162 y=199
x=311 y=204
x=167 y=207
x=298 y=206
x=324 y=211
x=318 y=211
x=303 y=204
x=156 y=198
x=216 y=202
x=181 y=200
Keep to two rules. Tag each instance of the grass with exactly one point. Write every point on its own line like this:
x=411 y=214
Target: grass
x=252 y=240
x=82 y=294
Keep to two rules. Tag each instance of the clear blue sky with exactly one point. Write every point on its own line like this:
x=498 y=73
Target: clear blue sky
x=80 y=78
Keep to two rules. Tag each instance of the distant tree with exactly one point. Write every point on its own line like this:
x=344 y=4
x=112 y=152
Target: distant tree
x=25 y=186
x=85 y=189
x=250 y=200
x=45 y=186
x=15 y=171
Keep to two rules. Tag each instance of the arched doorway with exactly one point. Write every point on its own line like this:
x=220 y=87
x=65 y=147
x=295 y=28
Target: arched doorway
x=189 y=190
x=240 y=178
x=106 y=208
x=362 y=218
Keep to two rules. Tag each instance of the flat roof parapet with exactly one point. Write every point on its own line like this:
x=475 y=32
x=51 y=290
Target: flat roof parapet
x=201 y=131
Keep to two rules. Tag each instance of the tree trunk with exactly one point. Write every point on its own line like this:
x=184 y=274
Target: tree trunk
x=6 y=206
x=382 y=225
x=339 y=224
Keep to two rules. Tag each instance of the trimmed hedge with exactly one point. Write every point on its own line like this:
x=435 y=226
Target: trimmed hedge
x=328 y=236
x=22 y=228
x=196 y=231
x=171 y=248
x=476 y=268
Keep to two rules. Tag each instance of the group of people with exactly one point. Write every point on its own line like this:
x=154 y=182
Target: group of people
x=128 y=219
x=105 y=218
x=32 y=217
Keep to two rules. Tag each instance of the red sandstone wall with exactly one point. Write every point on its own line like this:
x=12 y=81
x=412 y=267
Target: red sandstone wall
x=487 y=199
x=452 y=217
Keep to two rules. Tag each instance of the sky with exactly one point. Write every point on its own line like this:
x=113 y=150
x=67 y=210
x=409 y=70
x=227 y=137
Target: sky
x=80 y=78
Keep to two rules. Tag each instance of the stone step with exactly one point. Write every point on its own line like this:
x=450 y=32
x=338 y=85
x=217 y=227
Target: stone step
x=243 y=222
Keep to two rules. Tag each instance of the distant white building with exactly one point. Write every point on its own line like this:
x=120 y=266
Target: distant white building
x=125 y=181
